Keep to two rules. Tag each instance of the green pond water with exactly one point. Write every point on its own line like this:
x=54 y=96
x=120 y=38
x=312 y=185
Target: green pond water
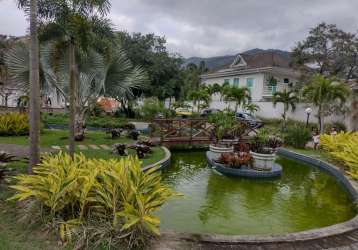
x=303 y=198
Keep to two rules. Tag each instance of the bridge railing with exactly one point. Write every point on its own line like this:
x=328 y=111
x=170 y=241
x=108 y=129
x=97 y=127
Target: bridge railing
x=184 y=131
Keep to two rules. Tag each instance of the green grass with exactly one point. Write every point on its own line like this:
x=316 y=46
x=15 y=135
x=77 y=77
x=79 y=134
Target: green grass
x=318 y=154
x=157 y=155
x=104 y=121
x=18 y=236
x=60 y=138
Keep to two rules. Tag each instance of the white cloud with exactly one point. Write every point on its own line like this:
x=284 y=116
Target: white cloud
x=216 y=27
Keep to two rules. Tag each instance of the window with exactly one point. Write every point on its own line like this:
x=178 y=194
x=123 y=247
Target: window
x=286 y=80
x=227 y=81
x=250 y=83
x=236 y=82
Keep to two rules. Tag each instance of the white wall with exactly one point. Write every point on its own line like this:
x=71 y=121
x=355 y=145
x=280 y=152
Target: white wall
x=257 y=87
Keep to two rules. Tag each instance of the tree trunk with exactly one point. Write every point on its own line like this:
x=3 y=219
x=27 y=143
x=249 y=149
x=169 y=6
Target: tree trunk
x=80 y=125
x=73 y=89
x=236 y=107
x=34 y=89
x=284 y=116
x=320 y=120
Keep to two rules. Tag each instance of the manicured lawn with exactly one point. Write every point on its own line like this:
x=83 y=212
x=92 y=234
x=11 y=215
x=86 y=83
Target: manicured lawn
x=60 y=138
x=104 y=121
x=158 y=154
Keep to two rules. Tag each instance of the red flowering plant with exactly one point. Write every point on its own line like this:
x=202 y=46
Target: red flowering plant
x=235 y=160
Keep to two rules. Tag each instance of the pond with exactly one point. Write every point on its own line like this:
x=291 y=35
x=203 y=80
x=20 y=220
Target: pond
x=303 y=198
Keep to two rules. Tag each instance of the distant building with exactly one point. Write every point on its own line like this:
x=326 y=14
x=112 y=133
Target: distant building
x=264 y=73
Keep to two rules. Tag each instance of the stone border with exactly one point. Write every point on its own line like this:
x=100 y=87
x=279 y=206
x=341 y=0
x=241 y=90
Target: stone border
x=165 y=162
x=308 y=235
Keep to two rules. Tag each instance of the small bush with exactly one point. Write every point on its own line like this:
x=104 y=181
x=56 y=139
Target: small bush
x=95 y=202
x=340 y=127
x=153 y=107
x=14 y=124
x=297 y=136
x=344 y=148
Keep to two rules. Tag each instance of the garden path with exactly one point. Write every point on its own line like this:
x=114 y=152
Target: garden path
x=20 y=151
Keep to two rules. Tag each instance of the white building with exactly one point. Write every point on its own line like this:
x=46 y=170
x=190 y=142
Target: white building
x=256 y=72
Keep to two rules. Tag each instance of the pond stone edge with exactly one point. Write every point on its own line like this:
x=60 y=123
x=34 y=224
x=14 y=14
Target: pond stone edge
x=308 y=235
x=163 y=163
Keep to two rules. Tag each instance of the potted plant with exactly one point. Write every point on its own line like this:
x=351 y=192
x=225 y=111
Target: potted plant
x=263 y=150
x=222 y=137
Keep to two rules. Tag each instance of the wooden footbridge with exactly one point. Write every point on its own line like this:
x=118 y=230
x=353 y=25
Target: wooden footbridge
x=188 y=131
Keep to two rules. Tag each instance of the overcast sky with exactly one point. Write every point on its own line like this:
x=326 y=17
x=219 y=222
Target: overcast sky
x=215 y=27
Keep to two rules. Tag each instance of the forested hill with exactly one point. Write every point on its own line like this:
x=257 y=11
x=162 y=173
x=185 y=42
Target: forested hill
x=220 y=61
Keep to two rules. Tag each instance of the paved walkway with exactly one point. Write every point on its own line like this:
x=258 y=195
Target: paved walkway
x=83 y=147
x=347 y=241
x=20 y=150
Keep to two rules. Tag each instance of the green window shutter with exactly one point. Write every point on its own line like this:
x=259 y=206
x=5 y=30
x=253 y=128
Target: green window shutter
x=250 y=84
x=236 y=82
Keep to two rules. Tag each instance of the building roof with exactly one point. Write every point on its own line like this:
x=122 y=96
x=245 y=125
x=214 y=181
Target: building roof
x=264 y=61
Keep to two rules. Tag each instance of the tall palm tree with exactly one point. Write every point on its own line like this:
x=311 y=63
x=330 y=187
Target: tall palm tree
x=325 y=93
x=288 y=99
x=73 y=20
x=239 y=96
x=34 y=89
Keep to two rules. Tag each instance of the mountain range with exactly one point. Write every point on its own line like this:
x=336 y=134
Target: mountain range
x=217 y=62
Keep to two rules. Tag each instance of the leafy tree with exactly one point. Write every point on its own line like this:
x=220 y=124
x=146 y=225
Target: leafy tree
x=330 y=50
x=164 y=69
x=288 y=99
x=77 y=23
x=239 y=96
x=325 y=93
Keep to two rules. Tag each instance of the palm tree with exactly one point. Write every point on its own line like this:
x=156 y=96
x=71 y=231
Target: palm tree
x=214 y=89
x=239 y=96
x=251 y=108
x=34 y=89
x=288 y=99
x=325 y=93
x=76 y=22
x=113 y=76
x=201 y=98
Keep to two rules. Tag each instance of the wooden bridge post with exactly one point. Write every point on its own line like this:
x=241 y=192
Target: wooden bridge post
x=191 y=132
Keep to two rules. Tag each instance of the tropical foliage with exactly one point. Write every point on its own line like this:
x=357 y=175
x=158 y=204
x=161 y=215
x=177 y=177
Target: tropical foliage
x=14 y=124
x=252 y=108
x=201 y=98
x=288 y=99
x=97 y=76
x=152 y=107
x=95 y=201
x=240 y=96
x=344 y=148
x=224 y=123
x=297 y=135
x=327 y=94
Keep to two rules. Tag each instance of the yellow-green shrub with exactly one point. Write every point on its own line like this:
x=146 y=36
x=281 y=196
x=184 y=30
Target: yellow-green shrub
x=344 y=148
x=14 y=124
x=98 y=201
